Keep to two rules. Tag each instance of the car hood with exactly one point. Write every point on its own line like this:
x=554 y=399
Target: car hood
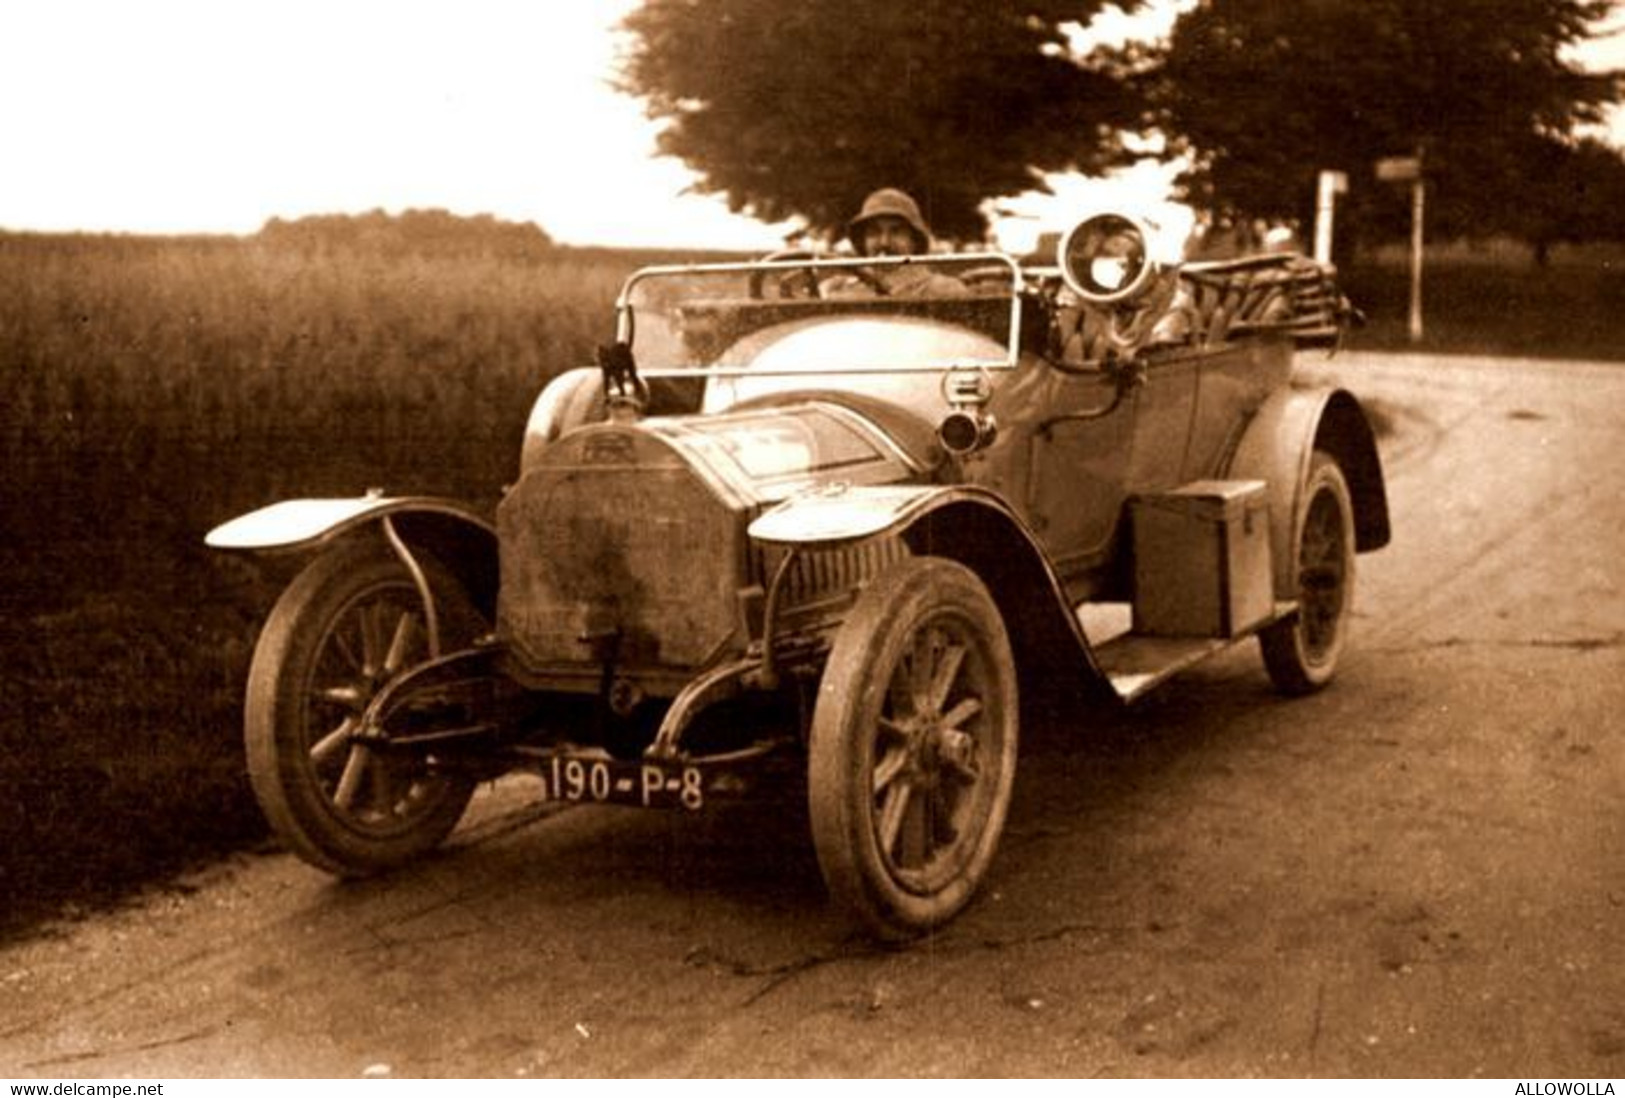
x=802 y=442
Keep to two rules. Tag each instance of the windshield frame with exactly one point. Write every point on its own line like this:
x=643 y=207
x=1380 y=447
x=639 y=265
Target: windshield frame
x=625 y=313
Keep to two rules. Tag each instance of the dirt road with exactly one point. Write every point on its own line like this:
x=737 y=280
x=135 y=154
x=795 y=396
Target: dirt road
x=1418 y=872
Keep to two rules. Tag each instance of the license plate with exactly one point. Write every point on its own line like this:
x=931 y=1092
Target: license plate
x=597 y=780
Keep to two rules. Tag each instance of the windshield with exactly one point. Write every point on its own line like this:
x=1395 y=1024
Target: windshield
x=825 y=315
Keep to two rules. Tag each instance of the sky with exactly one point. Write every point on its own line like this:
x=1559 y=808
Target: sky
x=167 y=116
x=193 y=116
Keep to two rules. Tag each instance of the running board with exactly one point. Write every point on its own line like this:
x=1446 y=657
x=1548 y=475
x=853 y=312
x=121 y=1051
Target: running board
x=1135 y=663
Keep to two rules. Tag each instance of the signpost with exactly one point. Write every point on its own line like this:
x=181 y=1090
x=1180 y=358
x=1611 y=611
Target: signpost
x=1330 y=185
x=1408 y=169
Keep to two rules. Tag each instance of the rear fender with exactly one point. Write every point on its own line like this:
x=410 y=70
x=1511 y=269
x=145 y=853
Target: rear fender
x=1276 y=448
x=974 y=527
x=457 y=536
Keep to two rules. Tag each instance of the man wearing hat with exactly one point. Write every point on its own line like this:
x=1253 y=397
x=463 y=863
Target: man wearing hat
x=889 y=224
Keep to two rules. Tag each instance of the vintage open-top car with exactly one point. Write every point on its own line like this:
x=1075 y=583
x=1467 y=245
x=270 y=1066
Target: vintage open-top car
x=793 y=525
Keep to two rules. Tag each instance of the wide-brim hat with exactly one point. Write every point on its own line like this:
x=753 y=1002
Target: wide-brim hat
x=890 y=202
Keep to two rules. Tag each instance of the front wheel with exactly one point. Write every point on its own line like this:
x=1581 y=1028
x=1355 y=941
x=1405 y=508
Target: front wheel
x=347 y=625
x=913 y=748
x=1301 y=652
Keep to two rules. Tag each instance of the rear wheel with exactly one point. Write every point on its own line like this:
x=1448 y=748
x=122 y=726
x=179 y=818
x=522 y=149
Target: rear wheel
x=1301 y=653
x=913 y=748
x=347 y=625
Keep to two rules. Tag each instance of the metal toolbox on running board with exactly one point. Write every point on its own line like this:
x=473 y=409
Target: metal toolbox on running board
x=1202 y=559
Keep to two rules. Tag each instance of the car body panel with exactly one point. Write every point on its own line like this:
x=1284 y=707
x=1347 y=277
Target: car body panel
x=297 y=524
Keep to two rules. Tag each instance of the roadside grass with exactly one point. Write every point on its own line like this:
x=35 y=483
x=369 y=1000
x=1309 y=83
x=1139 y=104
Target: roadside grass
x=155 y=387
x=1495 y=301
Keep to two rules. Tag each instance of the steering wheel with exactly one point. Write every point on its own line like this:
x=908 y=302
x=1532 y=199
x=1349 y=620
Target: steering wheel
x=792 y=282
x=993 y=276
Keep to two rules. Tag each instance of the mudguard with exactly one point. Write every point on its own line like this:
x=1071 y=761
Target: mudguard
x=457 y=535
x=843 y=513
x=1276 y=448
x=975 y=527
x=571 y=399
x=310 y=523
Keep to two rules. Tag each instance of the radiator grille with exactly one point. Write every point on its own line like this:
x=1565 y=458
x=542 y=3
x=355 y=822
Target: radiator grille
x=819 y=574
x=641 y=551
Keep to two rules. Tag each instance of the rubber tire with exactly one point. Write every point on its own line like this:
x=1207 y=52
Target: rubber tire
x=278 y=733
x=1301 y=653
x=855 y=687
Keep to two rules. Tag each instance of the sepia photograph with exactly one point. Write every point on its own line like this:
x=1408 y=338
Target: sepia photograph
x=812 y=539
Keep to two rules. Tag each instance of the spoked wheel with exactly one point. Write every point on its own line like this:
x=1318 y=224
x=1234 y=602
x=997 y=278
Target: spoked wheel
x=347 y=625
x=1301 y=652
x=913 y=748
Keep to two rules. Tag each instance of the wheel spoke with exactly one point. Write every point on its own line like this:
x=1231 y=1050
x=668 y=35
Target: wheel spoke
x=352 y=697
x=390 y=787
x=893 y=728
x=372 y=640
x=1322 y=535
x=1318 y=553
x=916 y=837
x=922 y=660
x=967 y=770
x=400 y=644
x=945 y=674
x=900 y=692
x=327 y=748
x=954 y=720
x=892 y=811
x=355 y=772
x=888 y=768
x=346 y=652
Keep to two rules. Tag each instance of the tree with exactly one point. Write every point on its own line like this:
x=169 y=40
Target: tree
x=1262 y=94
x=411 y=232
x=1576 y=194
x=799 y=109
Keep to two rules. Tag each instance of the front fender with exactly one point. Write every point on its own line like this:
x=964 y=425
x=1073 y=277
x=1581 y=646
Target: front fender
x=458 y=536
x=1276 y=448
x=311 y=523
x=975 y=527
x=844 y=513
x=571 y=399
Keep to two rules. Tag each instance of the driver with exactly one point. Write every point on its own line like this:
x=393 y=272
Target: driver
x=889 y=224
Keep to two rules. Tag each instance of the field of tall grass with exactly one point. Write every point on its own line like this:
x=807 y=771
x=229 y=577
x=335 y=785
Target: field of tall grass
x=155 y=387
